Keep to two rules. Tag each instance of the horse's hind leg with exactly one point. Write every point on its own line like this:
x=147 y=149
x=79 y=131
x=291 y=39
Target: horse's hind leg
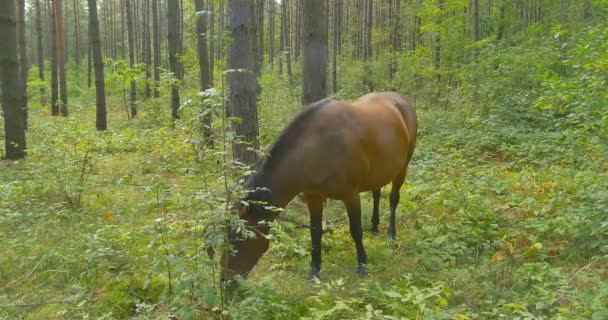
x=315 y=209
x=375 y=213
x=394 y=201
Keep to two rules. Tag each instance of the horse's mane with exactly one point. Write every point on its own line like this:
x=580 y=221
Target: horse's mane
x=284 y=142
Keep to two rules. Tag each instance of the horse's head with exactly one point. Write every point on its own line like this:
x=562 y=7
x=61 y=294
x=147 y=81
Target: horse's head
x=248 y=250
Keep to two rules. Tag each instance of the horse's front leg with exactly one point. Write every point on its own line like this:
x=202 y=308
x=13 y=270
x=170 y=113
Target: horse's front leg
x=353 y=207
x=315 y=209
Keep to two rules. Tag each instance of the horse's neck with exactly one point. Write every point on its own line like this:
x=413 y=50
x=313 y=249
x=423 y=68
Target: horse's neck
x=282 y=193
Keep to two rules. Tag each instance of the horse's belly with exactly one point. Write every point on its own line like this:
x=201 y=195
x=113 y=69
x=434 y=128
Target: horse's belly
x=381 y=172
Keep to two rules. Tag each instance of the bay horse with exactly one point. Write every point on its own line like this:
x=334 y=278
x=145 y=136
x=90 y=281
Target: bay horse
x=334 y=150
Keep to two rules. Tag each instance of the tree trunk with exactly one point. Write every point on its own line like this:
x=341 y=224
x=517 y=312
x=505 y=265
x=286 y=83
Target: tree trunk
x=40 y=52
x=212 y=42
x=314 y=78
x=54 y=68
x=95 y=41
x=90 y=52
x=271 y=10
x=203 y=66
x=260 y=30
x=174 y=65
x=130 y=33
x=23 y=63
x=242 y=81
x=286 y=40
x=63 y=90
x=476 y=20
x=281 y=39
x=298 y=41
x=156 y=31
x=14 y=123
x=220 y=29
x=147 y=46
x=77 y=36
x=334 y=53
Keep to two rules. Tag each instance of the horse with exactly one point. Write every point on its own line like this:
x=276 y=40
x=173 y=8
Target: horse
x=332 y=149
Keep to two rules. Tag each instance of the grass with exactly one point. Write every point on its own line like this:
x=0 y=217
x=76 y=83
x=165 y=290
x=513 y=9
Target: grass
x=495 y=221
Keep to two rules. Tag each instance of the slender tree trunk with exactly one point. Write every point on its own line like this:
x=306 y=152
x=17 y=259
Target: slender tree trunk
x=260 y=30
x=122 y=29
x=271 y=10
x=156 y=31
x=220 y=28
x=314 y=86
x=65 y=16
x=95 y=44
x=23 y=63
x=212 y=42
x=132 y=43
x=298 y=34
x=368 y=30
x=241 y=80
x=281 y=39
x=334 y=53
x=203 y=68
x=77 y=36
x=180 y=39
x=40 y=52
x=147 y=46
x=90 y=52
x=286 y=40
x=174 y=65
x=14 y=122
x=54 y=62
x=63 y=90
x=476 y=20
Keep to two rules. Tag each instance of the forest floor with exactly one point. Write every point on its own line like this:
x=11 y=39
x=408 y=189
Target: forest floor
x=496 y=220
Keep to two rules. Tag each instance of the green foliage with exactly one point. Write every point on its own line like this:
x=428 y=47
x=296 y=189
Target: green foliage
x=503 y=214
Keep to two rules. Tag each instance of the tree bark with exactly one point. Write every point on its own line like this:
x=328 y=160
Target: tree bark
x=147 y=46
x=281 y=39
x=156 y=32
x=40 y=52
x=334 y=53
x=476 y=20
x=14 y=123
x=212 y=42
x=241 y=80
x=314 y=86
x=77 y=53
x=54 y=68
x=63 y=90
x=23 y=63
x=260 y=31
x=271 y=10
x=203 y=66
x=90 y=52
x=287 y=41
x=174 y=65
x=132 y=43
x=95 y=41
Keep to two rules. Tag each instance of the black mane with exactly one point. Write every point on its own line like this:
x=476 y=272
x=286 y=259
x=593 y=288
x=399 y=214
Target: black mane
x=283 y=143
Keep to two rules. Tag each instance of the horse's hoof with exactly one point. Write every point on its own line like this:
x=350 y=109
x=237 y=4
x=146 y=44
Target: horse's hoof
x=313 y=274
x=362 y=271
